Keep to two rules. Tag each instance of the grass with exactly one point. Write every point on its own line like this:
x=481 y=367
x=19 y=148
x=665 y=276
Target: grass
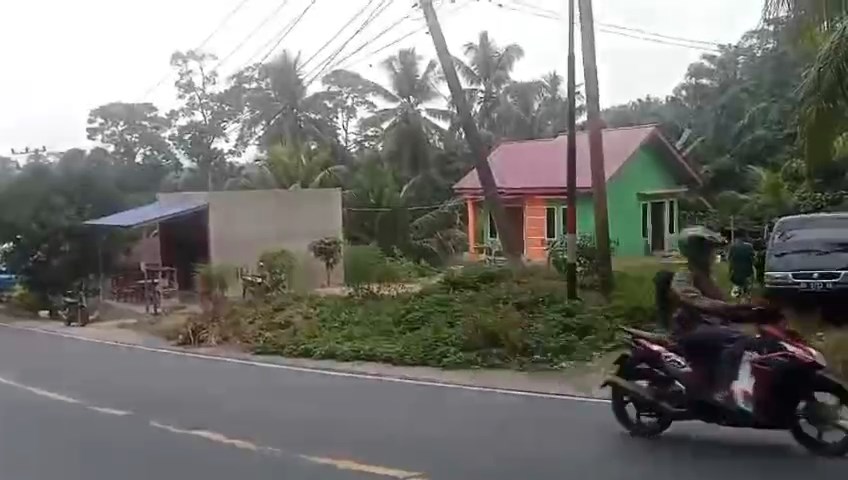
x=476 y=317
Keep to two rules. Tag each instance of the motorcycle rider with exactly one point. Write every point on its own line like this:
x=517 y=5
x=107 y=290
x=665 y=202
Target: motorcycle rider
x=700 y=323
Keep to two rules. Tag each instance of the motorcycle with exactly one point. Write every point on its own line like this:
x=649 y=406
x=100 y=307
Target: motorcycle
x=74 y=307
x=777 y=388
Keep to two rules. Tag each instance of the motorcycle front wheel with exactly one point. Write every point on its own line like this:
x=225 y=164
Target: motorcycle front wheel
x=821 y=426
x=636 y=417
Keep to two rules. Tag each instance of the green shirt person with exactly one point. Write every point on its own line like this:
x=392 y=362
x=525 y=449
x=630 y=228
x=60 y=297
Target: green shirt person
x=740 y=257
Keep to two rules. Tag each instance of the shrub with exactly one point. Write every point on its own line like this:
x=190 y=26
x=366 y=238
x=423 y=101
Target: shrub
x=587 y=258
x=277 y=269
x=24 y=300
x=329 y=251
x=366 y=264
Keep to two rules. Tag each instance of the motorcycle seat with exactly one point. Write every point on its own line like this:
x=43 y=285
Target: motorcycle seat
x=658 y=338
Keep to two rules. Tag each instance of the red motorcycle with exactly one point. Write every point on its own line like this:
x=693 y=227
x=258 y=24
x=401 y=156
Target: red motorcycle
x=780 y=386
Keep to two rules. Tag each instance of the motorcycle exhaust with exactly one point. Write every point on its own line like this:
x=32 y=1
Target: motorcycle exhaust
x=641 y=393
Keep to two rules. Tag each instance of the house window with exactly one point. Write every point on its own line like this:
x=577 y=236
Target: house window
x=672 y=217
x=550 y=223
x=493 y=230
x=565 y=221
x=644 y=220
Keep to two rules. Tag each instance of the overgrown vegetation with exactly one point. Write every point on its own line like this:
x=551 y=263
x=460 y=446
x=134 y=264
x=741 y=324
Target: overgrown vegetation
x=475 y=317
x=368 y=265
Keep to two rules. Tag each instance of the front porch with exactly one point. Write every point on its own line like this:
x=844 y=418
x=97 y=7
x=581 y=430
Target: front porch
x=538 y=221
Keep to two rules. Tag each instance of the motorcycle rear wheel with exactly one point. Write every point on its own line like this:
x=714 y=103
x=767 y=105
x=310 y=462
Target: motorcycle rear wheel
x=816 y=444
x=634 y=423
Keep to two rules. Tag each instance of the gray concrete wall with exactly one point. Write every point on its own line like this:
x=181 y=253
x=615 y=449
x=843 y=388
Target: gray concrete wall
x=177 y=197
x=245 y=224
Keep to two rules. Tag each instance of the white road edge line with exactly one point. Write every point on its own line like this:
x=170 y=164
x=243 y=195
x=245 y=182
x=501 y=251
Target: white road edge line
x=40 y=392
x=110 y=411
x=63 y=398
x=319 y=371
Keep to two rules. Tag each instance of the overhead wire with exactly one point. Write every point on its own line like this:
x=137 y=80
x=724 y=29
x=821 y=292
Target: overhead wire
x=277 y=40
x=318 y=69
x=287 y=30
x=630 y=32
x=202 y=44
x=554 y=13
x=324 y=66
x=376 y=37
x=403 y=37
x=338 y=32
x=253 y=33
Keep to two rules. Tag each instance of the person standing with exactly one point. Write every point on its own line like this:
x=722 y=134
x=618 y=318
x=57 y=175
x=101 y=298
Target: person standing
x=740 y=258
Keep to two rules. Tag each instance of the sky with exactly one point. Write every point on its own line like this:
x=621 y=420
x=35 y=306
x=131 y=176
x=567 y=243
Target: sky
x=63 y=58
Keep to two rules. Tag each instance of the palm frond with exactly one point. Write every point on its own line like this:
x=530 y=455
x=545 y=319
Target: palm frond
x=824 y=98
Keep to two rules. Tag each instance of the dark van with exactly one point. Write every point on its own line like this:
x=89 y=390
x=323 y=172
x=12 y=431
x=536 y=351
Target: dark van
x=808 y=255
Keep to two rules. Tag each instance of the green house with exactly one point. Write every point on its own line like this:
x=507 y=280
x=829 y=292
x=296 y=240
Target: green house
x=645 y=175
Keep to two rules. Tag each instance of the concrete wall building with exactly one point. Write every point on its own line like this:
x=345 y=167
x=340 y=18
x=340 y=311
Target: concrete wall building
x=234 y=228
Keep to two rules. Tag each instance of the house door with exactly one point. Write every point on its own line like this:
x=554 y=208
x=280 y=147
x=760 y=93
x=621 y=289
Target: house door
x=516 y=220
x=658 y=223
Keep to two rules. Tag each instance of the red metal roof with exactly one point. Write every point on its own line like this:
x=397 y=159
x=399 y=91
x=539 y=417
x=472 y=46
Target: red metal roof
x=538 y=166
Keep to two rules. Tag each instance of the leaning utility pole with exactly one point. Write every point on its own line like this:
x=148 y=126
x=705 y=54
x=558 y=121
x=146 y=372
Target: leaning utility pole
x=571 y=168
x=472 y=136
x=596 y=146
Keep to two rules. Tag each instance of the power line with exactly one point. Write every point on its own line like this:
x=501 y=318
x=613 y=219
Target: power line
x=434 y=206
x=376 y=12
x=338 y=32
x=205 y=41
x=283 y=33
x=612 y=29
x=252 y=33
x=316 y=72
x=376 y=37
x=223 y=23
x=659 y=41
x=660 y=35
x=556 y=14
x=403 y=37
x=287 y=30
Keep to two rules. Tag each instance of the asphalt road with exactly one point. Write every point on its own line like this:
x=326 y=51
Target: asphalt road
x=74 y=409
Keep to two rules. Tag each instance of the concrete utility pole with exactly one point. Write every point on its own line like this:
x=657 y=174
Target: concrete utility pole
x=508 y=236
x=571 y=167
x=596 y=146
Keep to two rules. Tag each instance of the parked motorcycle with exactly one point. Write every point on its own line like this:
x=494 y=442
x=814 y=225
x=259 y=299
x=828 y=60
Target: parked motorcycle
x=780 y=386
x=74 y=307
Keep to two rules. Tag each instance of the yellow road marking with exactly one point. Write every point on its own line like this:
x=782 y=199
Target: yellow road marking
x=361 y=467
x=212 y=436
x=348 y=465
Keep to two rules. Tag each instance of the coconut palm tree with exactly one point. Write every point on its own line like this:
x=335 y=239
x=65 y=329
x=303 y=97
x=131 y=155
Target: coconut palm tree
x=487 y=69
x=534 y=109
x=277 y=106
x=290 y=166
x=410 y=122
x=823 y=94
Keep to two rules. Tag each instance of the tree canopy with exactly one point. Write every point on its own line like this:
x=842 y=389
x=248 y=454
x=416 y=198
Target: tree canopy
x=394 y=147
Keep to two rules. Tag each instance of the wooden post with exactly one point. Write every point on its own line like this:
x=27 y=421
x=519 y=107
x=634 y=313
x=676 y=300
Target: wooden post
x=596 y=146
x=507 y=232
x=571 y=167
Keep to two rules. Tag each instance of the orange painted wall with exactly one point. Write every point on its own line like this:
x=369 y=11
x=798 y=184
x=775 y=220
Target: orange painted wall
x=535 y=243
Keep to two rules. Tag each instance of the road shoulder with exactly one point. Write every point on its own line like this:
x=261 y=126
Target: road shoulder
x=576 y=381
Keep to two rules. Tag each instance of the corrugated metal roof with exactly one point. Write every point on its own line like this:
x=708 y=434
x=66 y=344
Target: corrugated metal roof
x=539 y=165
x=151 y=213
